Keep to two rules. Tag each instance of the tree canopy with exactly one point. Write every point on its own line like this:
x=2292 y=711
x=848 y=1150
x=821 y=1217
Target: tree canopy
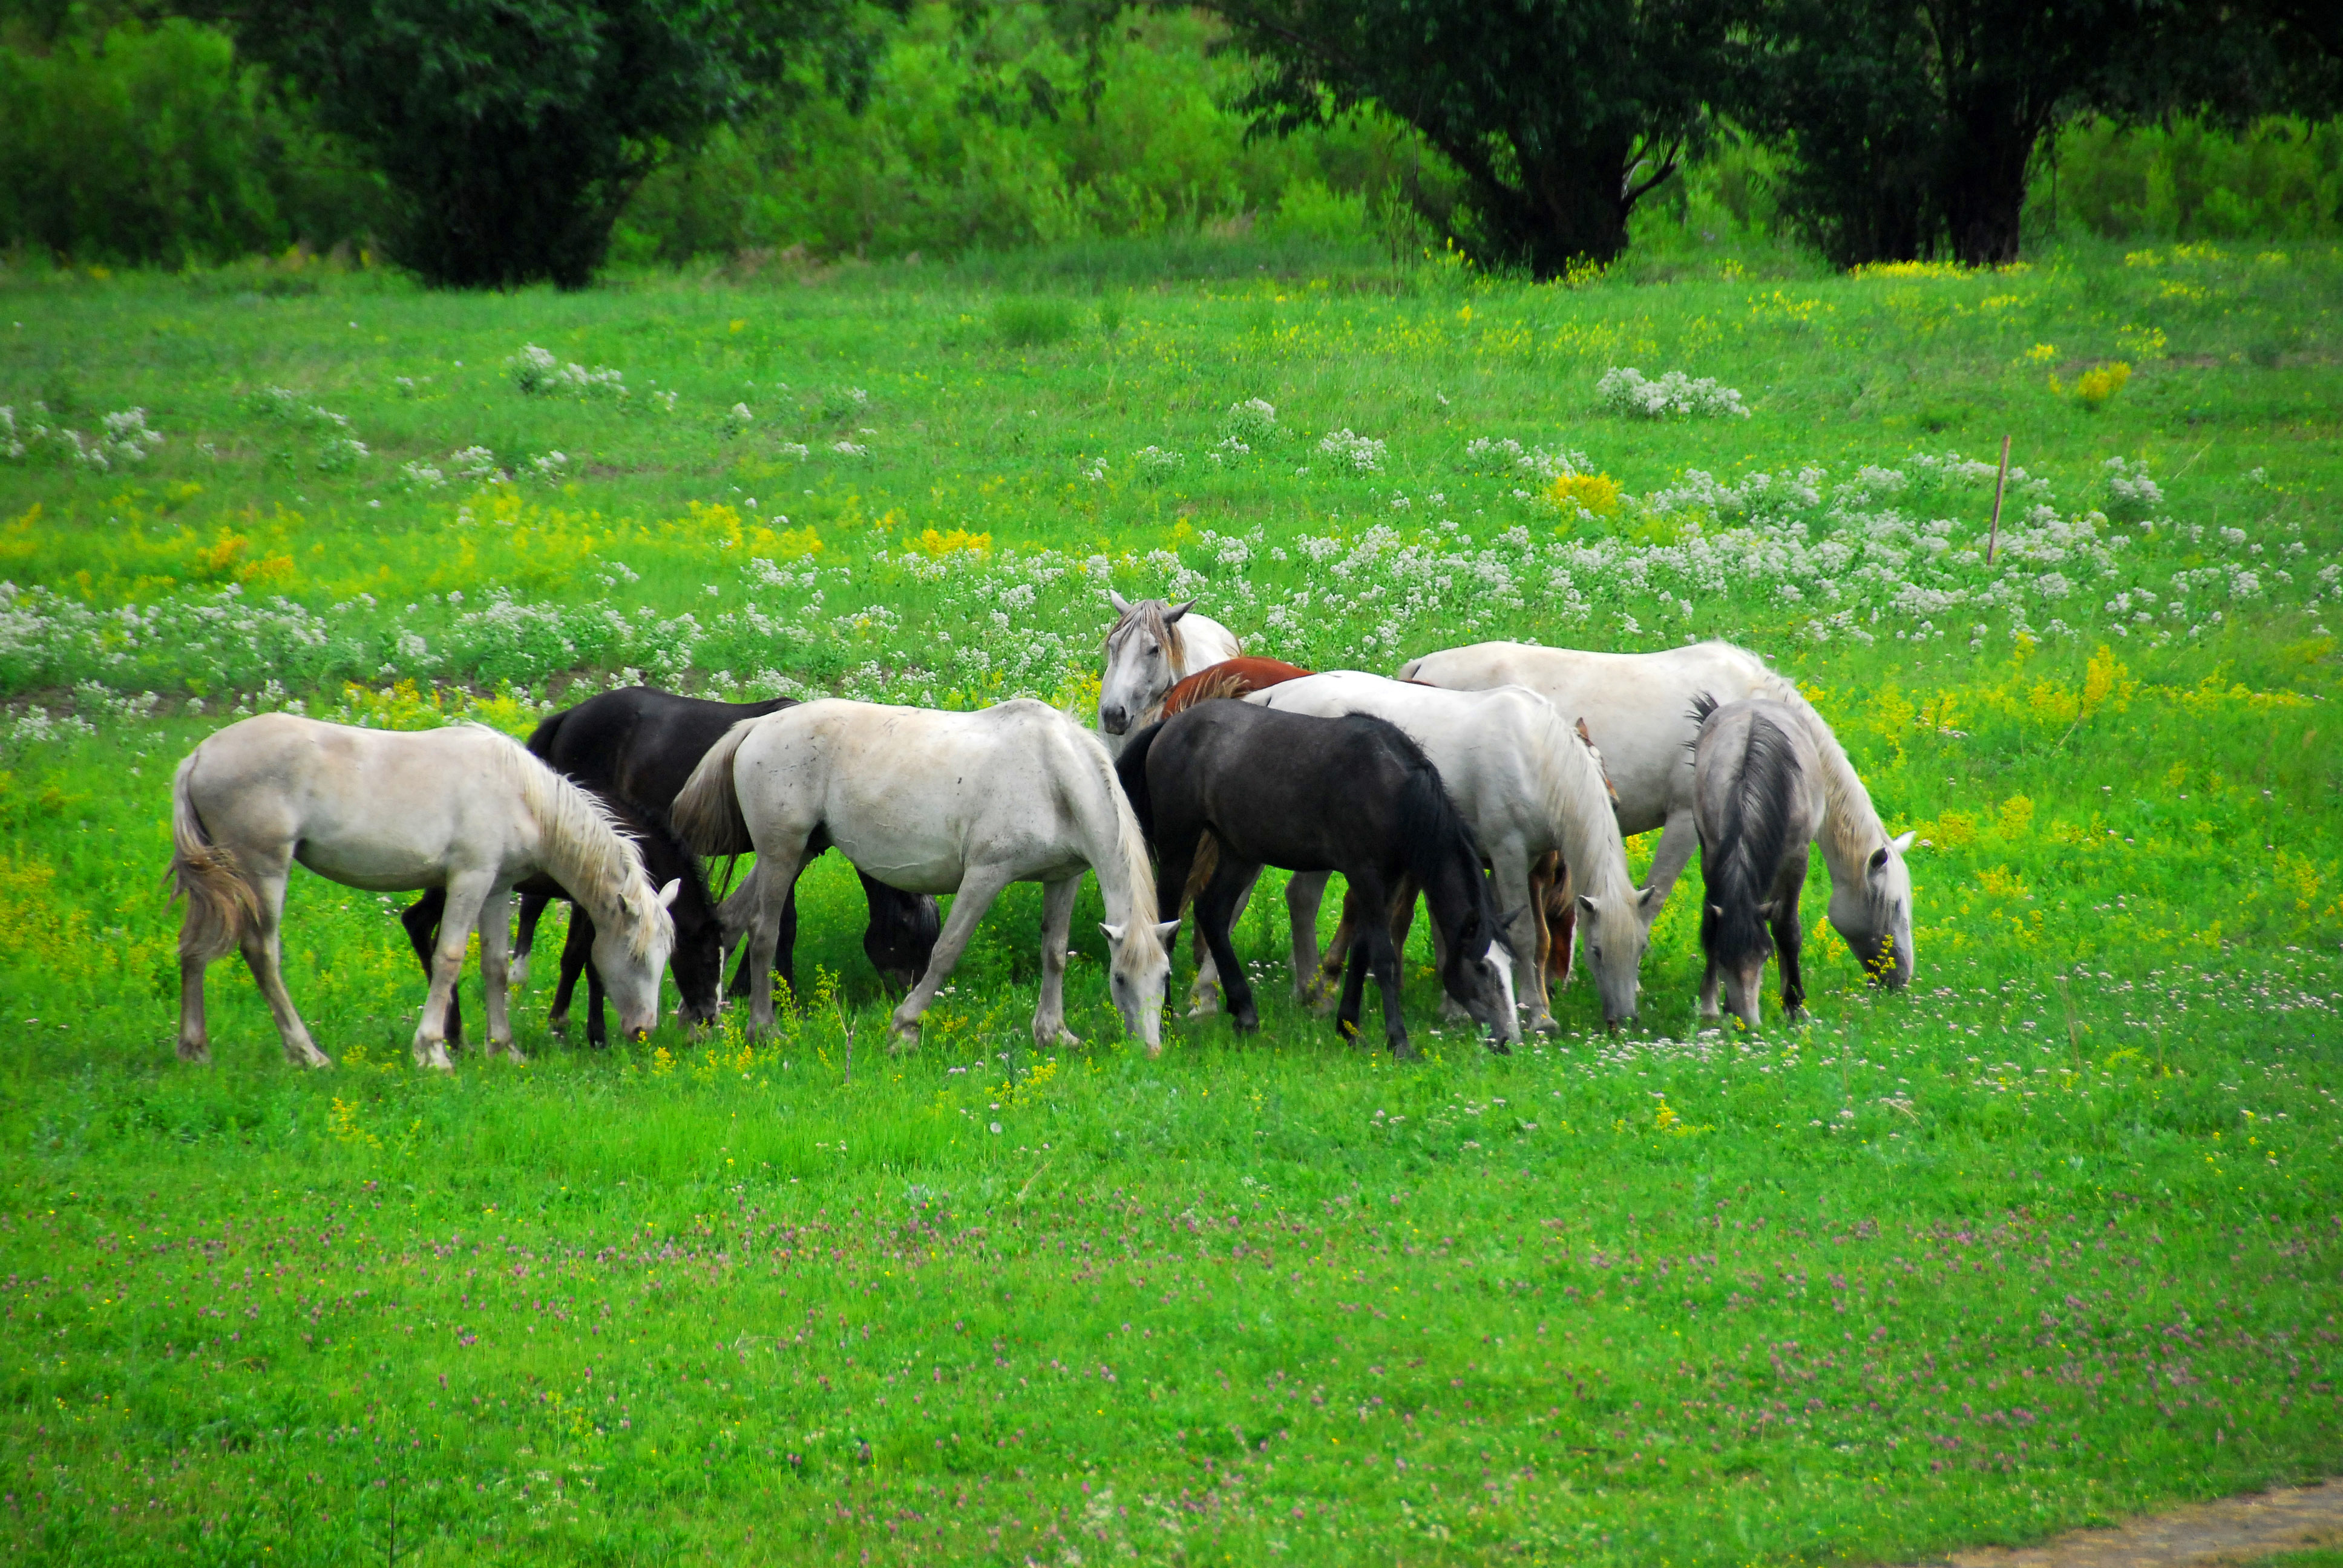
x=1560 y=113
x=511 y=131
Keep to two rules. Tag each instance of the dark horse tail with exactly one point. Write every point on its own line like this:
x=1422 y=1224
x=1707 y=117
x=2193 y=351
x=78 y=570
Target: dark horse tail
x=1130 y=771
x=1757 y=832
x=541 y=739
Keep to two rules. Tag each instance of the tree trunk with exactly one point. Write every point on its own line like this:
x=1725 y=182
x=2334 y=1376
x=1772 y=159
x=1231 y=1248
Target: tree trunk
x=1565 y=211
x=1984 y=186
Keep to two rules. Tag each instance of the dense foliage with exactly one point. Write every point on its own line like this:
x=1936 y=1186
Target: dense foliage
x=513 y=132
x=1560 y=113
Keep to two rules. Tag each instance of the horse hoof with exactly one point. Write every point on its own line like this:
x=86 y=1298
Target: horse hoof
x=1204 y=1007
x=195 y=1055
x=1246 y=1022
x=1547 y=1024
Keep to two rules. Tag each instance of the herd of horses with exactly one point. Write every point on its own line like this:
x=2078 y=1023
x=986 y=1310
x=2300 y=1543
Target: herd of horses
x=1496 y=781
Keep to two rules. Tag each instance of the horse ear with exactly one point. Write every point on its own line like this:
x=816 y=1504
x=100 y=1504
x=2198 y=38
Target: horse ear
x=667 y=893
x=1766 y=911
x=1177 y=611
x=1505 y=922
x=1902 y=842
x=1649 y=899
x=1113 y=932
x=1165 y=931
x=1716 y=910
x=1586 y=903
x=1879 y=860
x=1121 y=604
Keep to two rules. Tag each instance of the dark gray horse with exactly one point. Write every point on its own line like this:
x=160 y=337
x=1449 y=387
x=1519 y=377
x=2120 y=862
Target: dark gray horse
x=1757 y=803
x=1353 y=795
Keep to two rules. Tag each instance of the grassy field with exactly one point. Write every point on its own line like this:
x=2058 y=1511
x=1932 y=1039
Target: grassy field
x=2051 y=1237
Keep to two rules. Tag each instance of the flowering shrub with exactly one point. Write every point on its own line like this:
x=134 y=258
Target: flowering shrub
x=1540 y=464
x=2094 y=386
x=1674 y=396
x=735 y=422
x=538 y=374
x=341 y=454
x=1359 y=454
x=123 y=437
x=1156 y=463
x=1596 y=495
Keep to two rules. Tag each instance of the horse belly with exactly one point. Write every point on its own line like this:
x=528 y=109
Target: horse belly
x=402 y=862
x=911 y=858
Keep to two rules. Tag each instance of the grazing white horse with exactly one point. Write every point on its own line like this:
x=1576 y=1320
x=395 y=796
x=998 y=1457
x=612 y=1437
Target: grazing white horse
x=937 y=802
x=463 y=808
x=1528 y=784
x=1639 y=707
x=1151 y=646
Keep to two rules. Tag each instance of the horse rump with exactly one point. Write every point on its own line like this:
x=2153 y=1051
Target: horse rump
x=221 y=904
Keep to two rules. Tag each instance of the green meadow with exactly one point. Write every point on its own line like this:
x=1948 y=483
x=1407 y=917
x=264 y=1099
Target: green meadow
x=2050 y=1237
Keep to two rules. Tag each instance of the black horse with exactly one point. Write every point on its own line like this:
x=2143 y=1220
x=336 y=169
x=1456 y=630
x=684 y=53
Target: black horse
x=1353 y=795
x=698 y=956
x=639 y=744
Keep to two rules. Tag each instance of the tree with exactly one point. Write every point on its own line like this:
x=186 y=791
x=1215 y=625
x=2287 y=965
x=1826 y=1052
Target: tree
x=511 y=131
x=1912 y=126
x=1561 y=115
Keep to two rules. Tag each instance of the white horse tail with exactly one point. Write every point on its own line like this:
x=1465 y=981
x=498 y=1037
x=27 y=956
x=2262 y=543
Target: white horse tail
x=221 y=904
x=708 y=810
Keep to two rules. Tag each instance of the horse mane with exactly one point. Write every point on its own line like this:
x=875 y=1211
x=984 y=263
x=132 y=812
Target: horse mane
x=586 y=850
x=1852 y=830
x=1432 y=833
x=1601 y=767
x=1584 y=798
x=1147 y=615
x=1205 y=686
x=1739 y=867
x=1131 y=839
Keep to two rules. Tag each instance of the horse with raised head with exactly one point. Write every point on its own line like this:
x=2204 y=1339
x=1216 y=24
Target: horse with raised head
x=639 y=744
x=463 y=810
x=1638 y=707
x=937 y=802
x=1529 y=784
x=1757 y=787
x=1152 y=647
x=1353 y=795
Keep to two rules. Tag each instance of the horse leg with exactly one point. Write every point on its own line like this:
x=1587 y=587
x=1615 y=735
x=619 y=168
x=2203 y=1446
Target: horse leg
x=1678 y=838
x=1215 y=914
x=1315 y=979
x=597 y=1029
x=1517 y=892
x=1383 y=957
x=1057 y=930
x=1204 y=991
x=467 y=895
x=1543 y=877
x=979 y=887
x=496 y=973
x=1708 y=982
x=1205 y=996
x=775 y=883
x=1786 y=938
x=1561 y=917
x=421 y=920
x=576 y=958
x=263 y=948
x=532 y=909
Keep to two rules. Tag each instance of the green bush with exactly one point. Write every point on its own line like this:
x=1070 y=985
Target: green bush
x=158 y=146
x=2282 y=178
x=989 y=131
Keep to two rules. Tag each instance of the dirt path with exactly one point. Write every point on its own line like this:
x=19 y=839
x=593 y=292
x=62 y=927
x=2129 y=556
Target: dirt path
x=2234 y=1529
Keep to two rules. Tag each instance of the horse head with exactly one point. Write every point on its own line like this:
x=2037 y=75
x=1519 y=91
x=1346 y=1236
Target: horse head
x=1874 y=916
x=631 y=955
x=1145 y=655
x=1614 y=929
x=1138 y=968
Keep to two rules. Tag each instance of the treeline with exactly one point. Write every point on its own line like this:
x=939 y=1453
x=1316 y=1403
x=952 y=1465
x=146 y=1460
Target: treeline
x=129 y=137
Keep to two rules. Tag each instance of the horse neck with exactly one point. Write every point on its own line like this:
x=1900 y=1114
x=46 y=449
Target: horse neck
x=1851 y=826
x=666 y=860
x=1576 y=799
x=1115 y=847
x=578 y=846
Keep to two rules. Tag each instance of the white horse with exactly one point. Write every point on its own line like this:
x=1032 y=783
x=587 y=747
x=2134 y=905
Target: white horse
x=463 y=808
x=1639 y=707
x=937 y=802
x=1528 y=784
x=1151 y=646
